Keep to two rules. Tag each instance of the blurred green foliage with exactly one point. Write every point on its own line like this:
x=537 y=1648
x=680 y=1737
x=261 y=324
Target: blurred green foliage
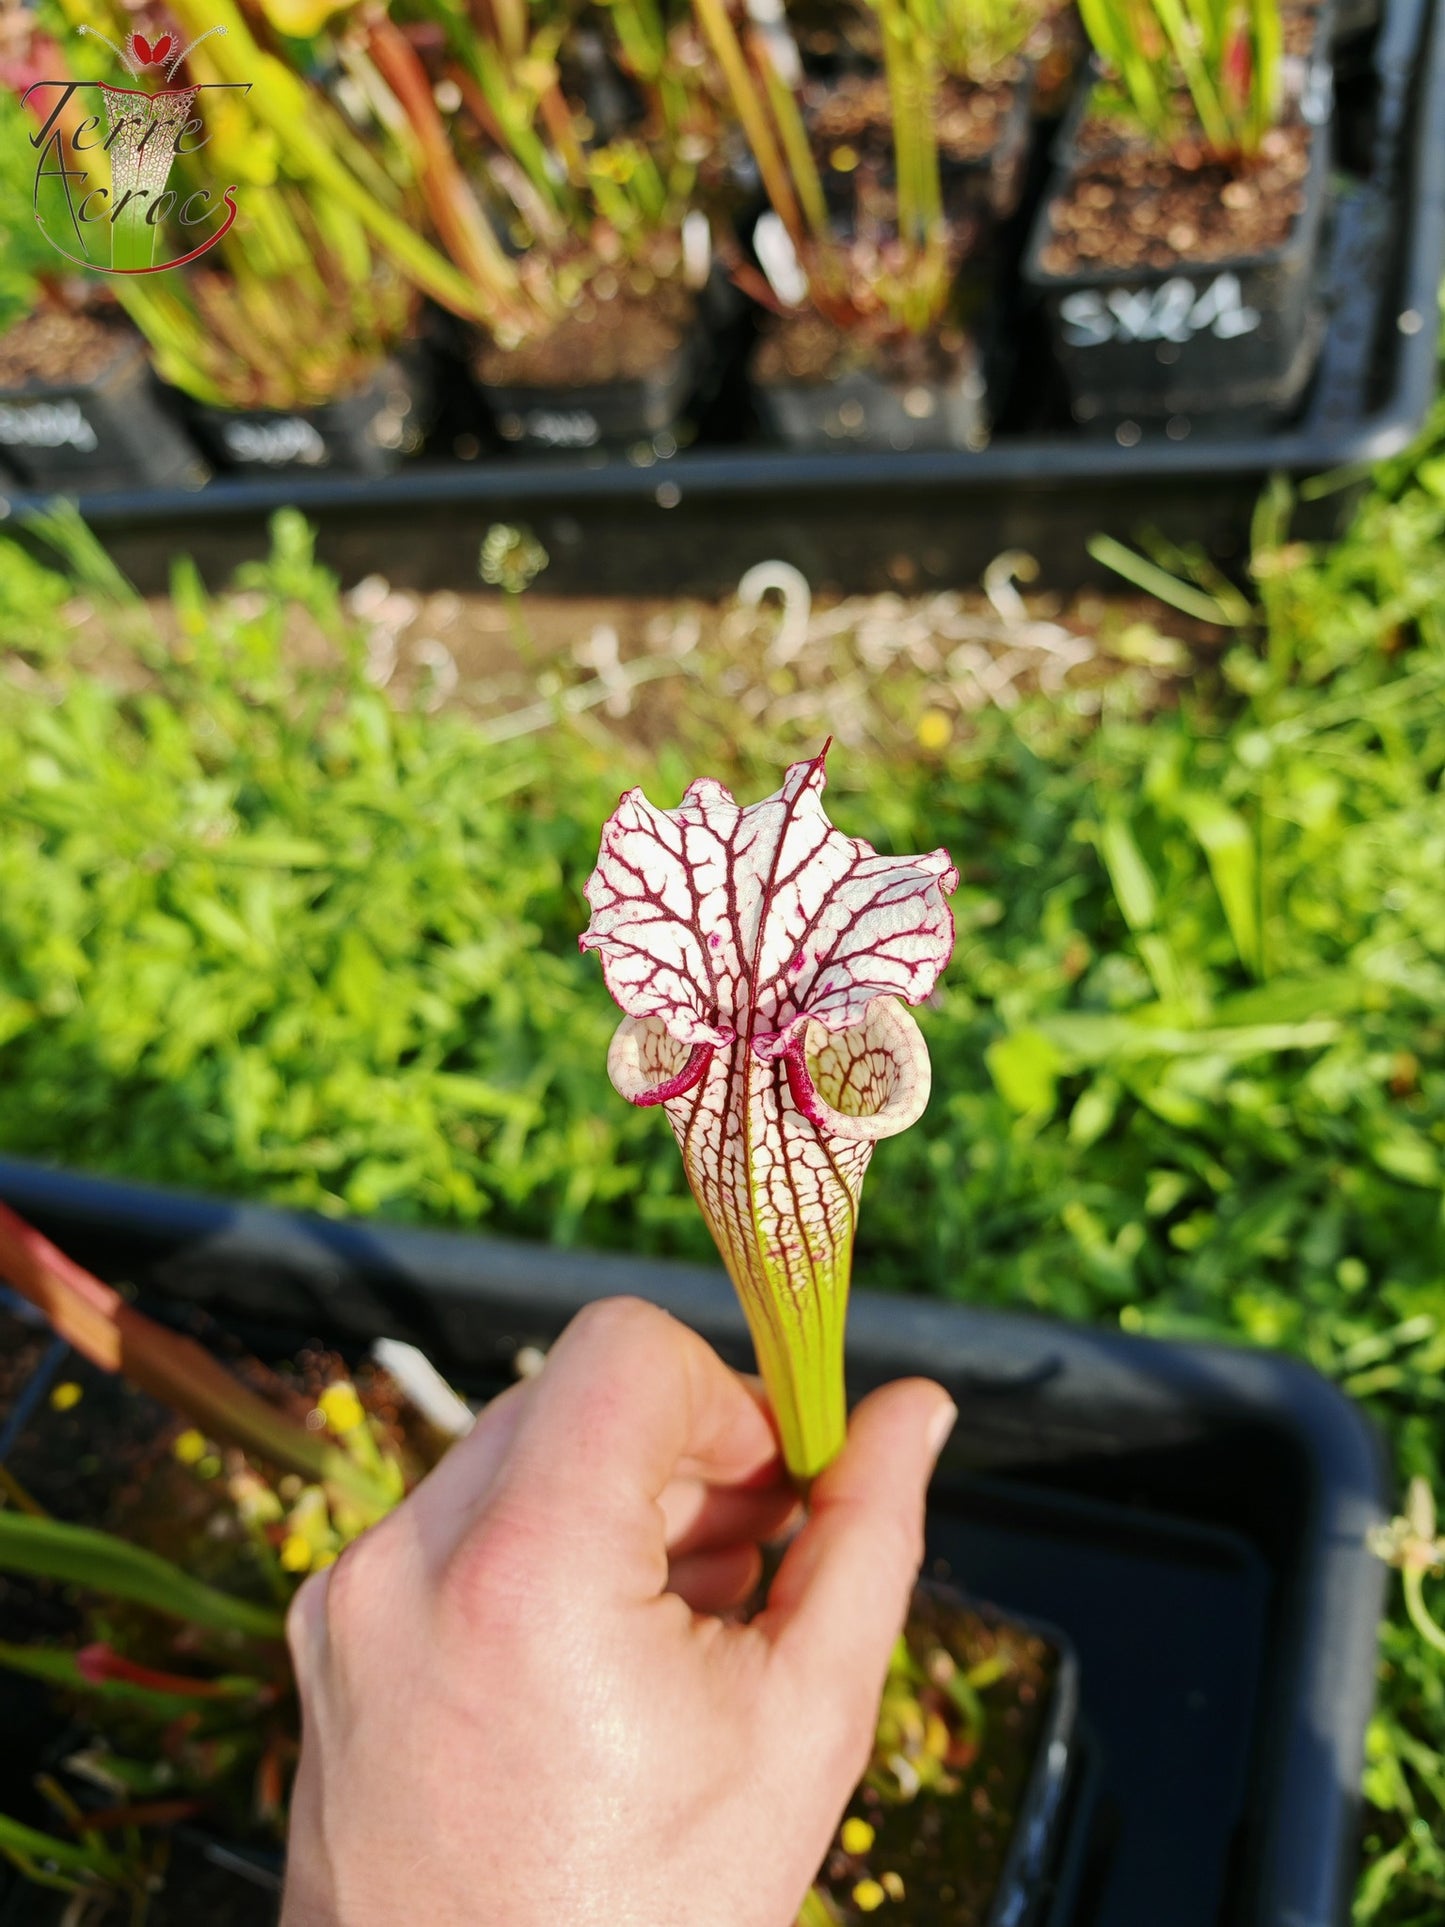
x=266 y=930
x=25 y=254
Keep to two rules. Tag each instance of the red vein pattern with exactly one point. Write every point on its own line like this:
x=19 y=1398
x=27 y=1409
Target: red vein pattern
x=759 y=954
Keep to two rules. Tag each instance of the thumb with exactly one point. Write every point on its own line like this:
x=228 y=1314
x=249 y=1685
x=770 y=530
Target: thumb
x=841 y=1595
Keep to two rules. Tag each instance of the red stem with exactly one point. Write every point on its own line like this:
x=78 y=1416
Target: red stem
x=102 y=1327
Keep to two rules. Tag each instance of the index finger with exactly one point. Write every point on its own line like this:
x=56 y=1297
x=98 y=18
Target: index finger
x=629 y=1400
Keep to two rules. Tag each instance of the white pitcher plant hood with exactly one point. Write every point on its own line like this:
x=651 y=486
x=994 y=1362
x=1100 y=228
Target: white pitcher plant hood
x=760 y=956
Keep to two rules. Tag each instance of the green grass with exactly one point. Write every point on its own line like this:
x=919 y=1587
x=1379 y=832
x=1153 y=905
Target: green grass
x=266 y=931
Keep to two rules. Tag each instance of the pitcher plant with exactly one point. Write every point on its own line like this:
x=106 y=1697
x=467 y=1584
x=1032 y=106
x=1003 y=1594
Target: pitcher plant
x=763 y=961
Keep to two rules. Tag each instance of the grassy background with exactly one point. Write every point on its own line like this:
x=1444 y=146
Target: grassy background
x=266 y=929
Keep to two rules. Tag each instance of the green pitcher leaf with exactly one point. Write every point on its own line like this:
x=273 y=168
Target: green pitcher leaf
x=80 y=1556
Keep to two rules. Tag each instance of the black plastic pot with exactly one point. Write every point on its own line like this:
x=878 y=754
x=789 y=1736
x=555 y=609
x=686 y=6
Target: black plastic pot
x=604 y=415
x=868 y=409
x=654 y=413
x=1035 y=1856
x=1226 y=346
x=997 y=180
x=1194 y=1517
x=988 y=184
x=111 y=432
x=1038 y=1852
x=862 y=411
x=367 y=433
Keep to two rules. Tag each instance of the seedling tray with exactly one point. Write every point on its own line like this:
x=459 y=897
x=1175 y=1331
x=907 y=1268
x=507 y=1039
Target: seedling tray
x=1193 y=1517
x=855 y=519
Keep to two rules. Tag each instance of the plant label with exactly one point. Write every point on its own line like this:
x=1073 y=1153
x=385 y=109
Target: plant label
x=560 y=427
x=47 y=424
x=1174 y=311
x=285 y=441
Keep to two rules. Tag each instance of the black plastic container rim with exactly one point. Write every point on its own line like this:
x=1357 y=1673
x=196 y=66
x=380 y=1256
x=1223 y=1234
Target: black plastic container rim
x=1047 y=464
x=1035 y=1843
x=1338 y=1591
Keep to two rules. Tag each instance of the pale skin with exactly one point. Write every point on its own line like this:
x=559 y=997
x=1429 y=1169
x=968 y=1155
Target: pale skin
x=523 y=1700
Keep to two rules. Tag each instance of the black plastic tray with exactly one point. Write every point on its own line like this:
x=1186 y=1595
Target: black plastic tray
x=696 y=522
x=1194 y=1517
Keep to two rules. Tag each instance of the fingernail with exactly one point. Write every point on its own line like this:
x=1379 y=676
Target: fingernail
x=939 y=1427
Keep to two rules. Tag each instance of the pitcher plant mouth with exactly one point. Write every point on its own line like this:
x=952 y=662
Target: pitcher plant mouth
x=760 y=957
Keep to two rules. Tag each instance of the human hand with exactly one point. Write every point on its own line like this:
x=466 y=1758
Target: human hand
x=520 y=1702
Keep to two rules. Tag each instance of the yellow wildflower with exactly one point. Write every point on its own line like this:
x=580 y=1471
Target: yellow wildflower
x=857 y=1836
x=341 y=1408
x=300 y=19
x=296 y=1552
